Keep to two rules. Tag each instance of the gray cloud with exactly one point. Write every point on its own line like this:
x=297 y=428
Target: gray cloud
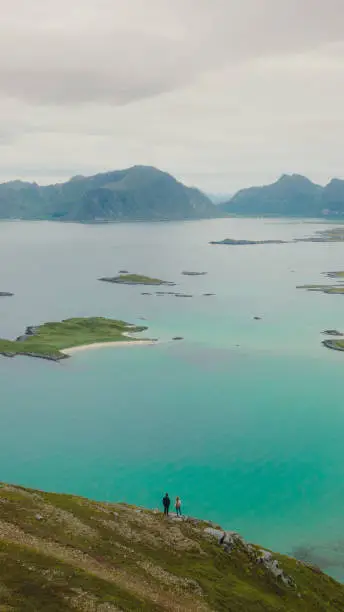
x=109 y=51
x=220 y=93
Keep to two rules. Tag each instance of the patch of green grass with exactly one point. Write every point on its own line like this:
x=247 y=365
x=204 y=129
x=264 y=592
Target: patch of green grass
x=337 y=345
x=323 y=288
x=135 y=279
x=338 y=274
x=34 y=581
x=230 y=582
x=51 y=338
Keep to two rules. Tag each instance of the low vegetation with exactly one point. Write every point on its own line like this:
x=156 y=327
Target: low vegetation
x=61 y=553
x=338 y=274
x=232 y=242
x=134 y=279
x=337 y=345
x=49 y=340
x=333 y=289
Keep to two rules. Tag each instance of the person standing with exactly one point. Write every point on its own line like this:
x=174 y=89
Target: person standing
x=178 y=505
x=166 y=503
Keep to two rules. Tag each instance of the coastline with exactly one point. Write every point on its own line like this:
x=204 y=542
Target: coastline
x=98 y=345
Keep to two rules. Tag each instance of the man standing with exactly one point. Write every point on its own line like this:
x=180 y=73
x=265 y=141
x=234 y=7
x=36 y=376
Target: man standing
x=166 y=503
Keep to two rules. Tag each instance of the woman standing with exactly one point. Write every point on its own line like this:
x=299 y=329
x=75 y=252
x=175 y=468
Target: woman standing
x=178 y=506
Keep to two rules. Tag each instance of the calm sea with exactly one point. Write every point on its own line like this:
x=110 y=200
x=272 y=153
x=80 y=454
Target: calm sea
x=243 y=420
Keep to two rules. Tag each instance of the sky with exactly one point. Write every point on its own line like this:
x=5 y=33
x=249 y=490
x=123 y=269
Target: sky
x=222 y=94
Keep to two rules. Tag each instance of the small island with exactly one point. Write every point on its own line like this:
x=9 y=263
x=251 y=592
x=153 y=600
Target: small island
x=232 y=242
x=55 y=341
x=135 y=279
x=335 y=234
x=186 y=273
x=336 y=345
x=339 y=274
x=337 y=288
x=174 y=293
x=332 y=332
x=332 y=289
x=6 y=294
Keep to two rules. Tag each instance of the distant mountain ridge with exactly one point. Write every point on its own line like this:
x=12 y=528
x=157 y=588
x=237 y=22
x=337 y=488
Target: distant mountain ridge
x=137 y=193
x=144 y=193
x=290 y=195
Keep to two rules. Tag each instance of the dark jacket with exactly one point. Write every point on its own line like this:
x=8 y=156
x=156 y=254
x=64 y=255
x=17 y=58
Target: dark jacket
x=166 y=501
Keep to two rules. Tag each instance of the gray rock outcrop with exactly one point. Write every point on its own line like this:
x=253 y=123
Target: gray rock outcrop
x=230 y=540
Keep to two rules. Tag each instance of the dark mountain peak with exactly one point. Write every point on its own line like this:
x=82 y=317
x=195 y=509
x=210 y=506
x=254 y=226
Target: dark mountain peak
x=290 y=195
x=17 y=184
x=296 y=183
x=136 y=193
x=335 y=182
x=295 y=179
x=333 y=195
x=77 y=177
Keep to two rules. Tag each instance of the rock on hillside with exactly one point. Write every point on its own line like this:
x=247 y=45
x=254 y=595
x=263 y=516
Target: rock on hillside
x=63 y=553
x=137 y=193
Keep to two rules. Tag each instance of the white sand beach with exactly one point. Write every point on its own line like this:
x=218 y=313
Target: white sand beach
x=98 y=345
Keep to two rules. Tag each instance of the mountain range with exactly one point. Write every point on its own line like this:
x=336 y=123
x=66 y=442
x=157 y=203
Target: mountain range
x=144 y=193
x=291 y=195
x=137 y=193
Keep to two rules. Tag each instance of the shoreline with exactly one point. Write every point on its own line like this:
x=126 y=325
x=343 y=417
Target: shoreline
x=97 y=345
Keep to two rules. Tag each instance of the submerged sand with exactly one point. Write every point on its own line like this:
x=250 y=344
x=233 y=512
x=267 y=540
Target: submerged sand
x=98 y=345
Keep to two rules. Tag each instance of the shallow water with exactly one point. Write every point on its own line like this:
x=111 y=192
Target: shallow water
x=243 y=419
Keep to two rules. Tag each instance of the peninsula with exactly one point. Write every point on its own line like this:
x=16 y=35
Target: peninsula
x=135 y=279
x=64 y=553
x=54 y=341
x=232 y=242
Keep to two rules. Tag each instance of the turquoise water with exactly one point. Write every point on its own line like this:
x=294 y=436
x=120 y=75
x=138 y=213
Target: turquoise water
x=244 y=419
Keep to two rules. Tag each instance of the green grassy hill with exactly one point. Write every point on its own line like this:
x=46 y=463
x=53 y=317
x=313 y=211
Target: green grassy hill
x=60 y=553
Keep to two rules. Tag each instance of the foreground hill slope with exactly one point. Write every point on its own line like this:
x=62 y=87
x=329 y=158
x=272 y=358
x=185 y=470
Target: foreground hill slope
x=60 y=553
x=137 y=193
x=291 y=195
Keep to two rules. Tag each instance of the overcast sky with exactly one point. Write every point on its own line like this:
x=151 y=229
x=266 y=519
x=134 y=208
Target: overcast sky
x=220 y=93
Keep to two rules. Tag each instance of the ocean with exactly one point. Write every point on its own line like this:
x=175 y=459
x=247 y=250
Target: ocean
x=243 y=419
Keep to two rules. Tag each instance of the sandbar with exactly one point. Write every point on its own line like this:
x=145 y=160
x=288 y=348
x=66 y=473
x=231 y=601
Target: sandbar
x=98 y=345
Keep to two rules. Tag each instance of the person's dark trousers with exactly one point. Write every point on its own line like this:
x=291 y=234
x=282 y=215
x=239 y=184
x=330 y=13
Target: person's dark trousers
x=179 y=511
x=166 y=510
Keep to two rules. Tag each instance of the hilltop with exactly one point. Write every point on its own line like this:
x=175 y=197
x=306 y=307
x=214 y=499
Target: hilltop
x=61 y=553
x=292 y=195
x=137 y=193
